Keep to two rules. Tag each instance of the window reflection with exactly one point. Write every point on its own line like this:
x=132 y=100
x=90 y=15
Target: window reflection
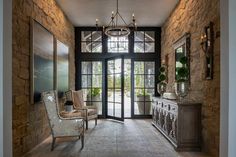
x=91 y=41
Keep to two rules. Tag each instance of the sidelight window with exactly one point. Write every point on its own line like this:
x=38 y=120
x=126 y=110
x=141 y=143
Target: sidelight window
x=144 y=86
x=92 y=83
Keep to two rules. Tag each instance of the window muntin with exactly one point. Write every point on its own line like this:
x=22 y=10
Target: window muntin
x=144 y=42
x=91 y=41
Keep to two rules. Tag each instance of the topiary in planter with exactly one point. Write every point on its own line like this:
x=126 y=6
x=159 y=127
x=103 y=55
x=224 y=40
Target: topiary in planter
x=161 y=86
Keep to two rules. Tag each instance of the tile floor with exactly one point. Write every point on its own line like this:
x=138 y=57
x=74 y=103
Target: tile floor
x=133 y=138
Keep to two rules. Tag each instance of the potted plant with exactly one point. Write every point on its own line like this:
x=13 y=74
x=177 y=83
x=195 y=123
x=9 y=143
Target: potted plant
x=94 y=95
x=182 y=79
x=68 y=106
x=161 y=86
x=143 y=97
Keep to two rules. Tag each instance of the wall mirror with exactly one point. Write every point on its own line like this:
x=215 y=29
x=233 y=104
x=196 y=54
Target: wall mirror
x=182 y=50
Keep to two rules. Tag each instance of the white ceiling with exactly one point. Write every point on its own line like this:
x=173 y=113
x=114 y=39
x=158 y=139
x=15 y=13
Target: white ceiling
x=147 y=12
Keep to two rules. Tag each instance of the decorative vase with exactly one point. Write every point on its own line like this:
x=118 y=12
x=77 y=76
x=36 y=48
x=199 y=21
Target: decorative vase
x=144 y=101
x=161 y=88
x=181 y=89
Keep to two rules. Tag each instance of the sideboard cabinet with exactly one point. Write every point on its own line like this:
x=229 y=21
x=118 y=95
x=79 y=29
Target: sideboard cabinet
x=179 y=122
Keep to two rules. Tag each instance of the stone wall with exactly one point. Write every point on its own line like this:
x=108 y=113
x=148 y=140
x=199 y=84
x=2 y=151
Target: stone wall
x=192 y=16
x=30 y=125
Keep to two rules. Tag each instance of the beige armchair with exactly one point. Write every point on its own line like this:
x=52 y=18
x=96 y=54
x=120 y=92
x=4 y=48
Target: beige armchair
x=88 y=112
x=61 y=127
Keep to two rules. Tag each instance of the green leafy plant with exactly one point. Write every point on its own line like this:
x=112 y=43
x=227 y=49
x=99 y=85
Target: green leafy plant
x=184 y=60
x=95 y=92
x=143 y=92
x=162 y=76
x=162 y=69
x=182 y=72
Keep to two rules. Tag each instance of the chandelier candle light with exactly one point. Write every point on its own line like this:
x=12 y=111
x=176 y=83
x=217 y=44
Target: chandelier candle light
x=113 y=29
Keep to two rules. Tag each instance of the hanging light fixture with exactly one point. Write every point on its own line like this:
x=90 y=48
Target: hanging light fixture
x=113 y=29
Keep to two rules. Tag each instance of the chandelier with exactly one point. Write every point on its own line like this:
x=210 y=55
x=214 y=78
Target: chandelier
x=114 y=29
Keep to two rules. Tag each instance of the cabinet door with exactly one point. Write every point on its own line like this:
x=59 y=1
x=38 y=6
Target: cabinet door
x=173 y=127
x=154 y=112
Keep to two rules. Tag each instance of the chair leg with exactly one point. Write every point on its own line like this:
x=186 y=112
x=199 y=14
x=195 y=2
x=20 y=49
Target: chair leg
x=86 y=124
x=96 y=121
x=82 y=137
x=53 y=143
x=82 y=141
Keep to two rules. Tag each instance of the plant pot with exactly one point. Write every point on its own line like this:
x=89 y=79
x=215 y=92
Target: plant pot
x=68 y=108
x=95 y=100
x=141 y=104
x=181 y=89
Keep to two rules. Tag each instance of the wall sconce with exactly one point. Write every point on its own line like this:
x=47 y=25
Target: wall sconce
x=207 y=43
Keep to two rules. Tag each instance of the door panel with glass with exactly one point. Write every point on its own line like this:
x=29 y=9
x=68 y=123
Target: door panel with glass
x=120 y=87
x=115 y=84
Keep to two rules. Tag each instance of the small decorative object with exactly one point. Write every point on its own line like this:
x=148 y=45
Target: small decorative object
x=181 y=89
x=68 y=106
x=182 y=83
x=171 y=96
x=207 y=43
x=161 y=86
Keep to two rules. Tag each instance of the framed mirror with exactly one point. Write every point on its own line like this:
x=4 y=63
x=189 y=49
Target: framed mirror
x=182 y=52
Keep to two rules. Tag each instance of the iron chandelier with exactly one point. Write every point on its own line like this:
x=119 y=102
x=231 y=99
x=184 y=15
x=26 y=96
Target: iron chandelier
x=113 y=29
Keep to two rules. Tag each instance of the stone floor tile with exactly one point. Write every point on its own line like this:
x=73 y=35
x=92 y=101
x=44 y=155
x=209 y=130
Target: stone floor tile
x=133 y=138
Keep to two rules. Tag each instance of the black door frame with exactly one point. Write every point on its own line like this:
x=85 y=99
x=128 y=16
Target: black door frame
x=80 y=57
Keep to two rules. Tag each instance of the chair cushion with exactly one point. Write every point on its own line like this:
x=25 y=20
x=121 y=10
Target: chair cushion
x=78 y=99
x=73 y=114
x=92 y=112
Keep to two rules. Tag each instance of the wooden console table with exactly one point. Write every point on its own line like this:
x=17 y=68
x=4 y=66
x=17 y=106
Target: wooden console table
x=179 y=122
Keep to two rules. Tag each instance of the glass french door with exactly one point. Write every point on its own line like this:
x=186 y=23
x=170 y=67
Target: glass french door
x=115 y=88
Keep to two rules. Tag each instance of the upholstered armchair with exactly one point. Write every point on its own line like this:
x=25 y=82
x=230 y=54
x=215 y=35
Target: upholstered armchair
x=88 y=112
x=61 y=127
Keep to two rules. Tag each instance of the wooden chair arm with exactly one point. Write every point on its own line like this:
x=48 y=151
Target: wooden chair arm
x=90 y=107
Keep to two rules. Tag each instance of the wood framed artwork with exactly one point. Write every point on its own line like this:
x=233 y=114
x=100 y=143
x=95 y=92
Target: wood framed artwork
x=42 y=61
x=62 y=68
